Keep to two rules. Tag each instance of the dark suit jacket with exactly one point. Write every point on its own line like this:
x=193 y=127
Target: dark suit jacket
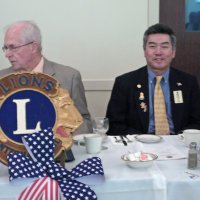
x=70 y=79
x=124 y=108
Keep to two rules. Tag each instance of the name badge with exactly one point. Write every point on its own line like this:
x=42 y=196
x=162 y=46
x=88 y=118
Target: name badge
x=178 y=97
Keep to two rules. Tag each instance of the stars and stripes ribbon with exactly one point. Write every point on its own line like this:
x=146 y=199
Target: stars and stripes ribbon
x=41 y=149
x=42 y=189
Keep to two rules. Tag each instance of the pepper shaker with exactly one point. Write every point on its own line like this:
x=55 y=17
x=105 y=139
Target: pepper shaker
x=192 y=155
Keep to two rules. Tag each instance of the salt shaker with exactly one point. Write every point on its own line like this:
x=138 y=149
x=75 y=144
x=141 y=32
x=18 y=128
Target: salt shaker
x=192 y=156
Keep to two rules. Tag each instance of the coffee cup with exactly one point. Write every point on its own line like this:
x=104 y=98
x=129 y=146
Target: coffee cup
x=93 y=143
x=191 y=135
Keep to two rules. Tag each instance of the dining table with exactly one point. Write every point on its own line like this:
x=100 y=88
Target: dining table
x=167 y=179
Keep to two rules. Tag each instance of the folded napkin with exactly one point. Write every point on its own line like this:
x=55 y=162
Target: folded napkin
x=168 y=153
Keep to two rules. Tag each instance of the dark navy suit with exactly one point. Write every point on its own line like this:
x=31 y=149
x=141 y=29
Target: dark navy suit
x=127 y=116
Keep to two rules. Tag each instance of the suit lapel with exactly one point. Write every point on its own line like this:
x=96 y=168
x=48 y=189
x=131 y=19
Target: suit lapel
x=142 y=98
x=48 y=68
x=176 y=108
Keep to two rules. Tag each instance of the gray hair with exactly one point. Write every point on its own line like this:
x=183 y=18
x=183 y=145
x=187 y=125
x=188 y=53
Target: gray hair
x=160 y=28
x=30 y=31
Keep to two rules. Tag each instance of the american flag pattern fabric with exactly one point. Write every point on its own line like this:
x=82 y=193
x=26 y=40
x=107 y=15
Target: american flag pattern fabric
x=42 y=189
x=40 y=146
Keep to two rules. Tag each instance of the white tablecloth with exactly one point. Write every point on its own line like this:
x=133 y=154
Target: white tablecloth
x=165 y=180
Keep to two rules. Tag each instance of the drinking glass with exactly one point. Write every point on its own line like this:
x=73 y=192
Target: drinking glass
x=100 y=125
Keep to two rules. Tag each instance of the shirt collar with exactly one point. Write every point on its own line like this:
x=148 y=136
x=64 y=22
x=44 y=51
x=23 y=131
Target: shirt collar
x=151 y=75
x=39 y=67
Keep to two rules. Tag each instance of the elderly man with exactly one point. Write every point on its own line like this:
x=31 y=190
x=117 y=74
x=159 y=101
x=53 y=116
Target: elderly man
x=23 y=49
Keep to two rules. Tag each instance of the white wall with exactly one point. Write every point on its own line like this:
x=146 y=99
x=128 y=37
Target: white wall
x=100 y=38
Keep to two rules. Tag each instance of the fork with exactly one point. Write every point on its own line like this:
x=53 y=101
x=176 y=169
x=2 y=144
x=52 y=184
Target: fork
x=123 y=140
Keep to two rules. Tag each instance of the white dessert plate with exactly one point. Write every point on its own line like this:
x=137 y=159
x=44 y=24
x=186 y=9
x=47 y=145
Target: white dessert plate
x=148 y=138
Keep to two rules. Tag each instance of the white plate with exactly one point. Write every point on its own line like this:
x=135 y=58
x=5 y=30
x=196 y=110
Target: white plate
x=148 y=138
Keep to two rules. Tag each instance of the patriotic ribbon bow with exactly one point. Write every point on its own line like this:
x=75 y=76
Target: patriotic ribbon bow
x=41 y=149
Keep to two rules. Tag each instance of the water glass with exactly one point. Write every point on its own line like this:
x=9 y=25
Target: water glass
x=100 y=125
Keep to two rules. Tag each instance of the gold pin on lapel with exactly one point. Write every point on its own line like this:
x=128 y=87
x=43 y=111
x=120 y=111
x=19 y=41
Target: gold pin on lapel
x=141 y=97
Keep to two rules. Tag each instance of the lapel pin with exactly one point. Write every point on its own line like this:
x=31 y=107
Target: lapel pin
x=139 y=86
x=141 y=97
x=143 y=106
x=179 y=84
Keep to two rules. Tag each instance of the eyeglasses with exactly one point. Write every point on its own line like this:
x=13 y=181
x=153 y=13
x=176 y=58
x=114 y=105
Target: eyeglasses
x=13 y=48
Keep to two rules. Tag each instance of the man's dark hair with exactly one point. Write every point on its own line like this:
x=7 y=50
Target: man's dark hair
x=162 y=29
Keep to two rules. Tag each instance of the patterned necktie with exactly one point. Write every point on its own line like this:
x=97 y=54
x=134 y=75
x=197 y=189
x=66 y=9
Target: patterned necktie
x=161 y=122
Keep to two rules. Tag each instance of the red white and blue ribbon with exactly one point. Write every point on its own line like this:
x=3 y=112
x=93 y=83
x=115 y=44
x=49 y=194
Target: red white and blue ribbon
x=41 y=149
x=42 y=189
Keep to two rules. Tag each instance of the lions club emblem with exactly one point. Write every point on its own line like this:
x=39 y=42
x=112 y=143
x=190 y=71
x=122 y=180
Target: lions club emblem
x=30 y=102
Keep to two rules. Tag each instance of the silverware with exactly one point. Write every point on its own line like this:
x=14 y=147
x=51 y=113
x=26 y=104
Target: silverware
x=191 y=175
x=128 y=140
x=123 y=140
x=117 y=140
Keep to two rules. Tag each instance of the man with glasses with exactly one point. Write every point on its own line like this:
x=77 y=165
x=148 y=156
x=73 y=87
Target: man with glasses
x=23 y=48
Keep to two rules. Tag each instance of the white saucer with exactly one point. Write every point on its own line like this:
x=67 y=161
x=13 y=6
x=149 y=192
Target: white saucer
x=79 y=139
x=148 y=138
